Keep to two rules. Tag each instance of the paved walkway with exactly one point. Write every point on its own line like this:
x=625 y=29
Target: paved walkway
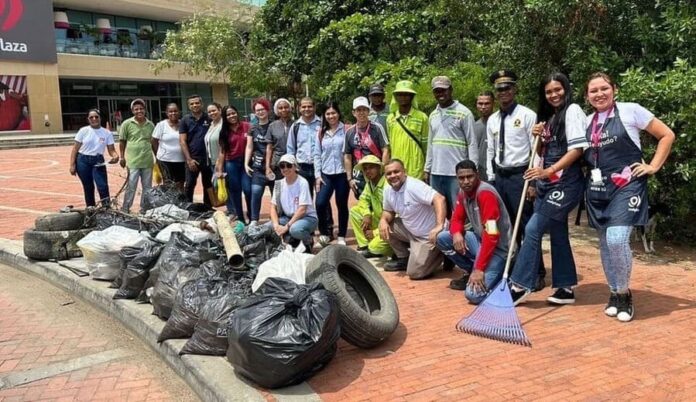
x=55 y=347
x=577 y=353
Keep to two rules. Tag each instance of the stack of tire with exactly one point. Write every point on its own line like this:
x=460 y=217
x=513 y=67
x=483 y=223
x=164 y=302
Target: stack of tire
x=54 y=236
x=369 y=313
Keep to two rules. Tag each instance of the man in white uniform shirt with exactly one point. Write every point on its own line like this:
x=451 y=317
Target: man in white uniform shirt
x=421 y=216
x=510 y=140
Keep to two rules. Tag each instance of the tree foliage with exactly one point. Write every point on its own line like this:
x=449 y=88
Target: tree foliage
x=341 y=47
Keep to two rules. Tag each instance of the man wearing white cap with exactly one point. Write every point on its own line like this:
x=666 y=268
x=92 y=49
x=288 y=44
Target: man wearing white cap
x=293 y=216
x=451 y=140
x=366 y=137
x=364 y=217
x=135 y=143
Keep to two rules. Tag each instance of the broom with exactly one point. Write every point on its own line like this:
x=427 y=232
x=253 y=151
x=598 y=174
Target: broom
x=495 y=318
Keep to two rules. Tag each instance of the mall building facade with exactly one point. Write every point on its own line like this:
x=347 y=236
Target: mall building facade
x=60 y=58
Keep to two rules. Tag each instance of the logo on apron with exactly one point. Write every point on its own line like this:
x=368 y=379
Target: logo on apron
x=556 y=197
x=634 y=203
x=517 y=123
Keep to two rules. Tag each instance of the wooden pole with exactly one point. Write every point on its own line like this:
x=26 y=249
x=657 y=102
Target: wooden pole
x=229 y=240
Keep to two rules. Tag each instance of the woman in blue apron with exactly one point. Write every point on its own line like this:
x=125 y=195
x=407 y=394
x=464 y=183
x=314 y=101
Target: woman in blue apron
x=617 y=192
x=559 y=187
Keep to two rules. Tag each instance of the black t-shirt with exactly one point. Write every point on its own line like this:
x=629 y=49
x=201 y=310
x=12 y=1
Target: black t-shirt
x=353 y=140
x=195 y=131
x=258 y=157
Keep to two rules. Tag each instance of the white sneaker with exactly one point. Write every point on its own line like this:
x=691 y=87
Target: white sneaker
x=341 y=241
x=253 y=223
x=324 y=240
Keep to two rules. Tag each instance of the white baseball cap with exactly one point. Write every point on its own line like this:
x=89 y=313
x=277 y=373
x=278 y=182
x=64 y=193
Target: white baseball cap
x=361 y=101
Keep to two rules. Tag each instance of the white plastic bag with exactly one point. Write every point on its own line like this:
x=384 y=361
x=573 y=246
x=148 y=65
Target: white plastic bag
x=169 y=211
x=287 y=264
x=190 y=230
x=101 y=249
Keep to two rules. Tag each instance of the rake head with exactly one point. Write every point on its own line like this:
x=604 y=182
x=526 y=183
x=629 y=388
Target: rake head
x=495 y=318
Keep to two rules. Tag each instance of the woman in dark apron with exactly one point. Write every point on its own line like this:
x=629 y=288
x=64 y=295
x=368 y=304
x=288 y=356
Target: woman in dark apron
x=559 y=186
x=617 y=193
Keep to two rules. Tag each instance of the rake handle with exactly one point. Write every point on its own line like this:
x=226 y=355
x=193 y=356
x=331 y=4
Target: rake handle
x=520 y=208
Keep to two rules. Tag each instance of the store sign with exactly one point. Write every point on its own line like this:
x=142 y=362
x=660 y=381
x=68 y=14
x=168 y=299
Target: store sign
x=26 y=31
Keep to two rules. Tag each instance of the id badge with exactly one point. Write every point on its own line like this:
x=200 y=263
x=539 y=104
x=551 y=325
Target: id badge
x=596 y=175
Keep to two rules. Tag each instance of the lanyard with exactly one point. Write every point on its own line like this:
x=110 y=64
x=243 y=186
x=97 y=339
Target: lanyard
x=596 y=132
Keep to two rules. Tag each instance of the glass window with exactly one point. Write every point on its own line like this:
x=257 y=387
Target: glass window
x=125 y=22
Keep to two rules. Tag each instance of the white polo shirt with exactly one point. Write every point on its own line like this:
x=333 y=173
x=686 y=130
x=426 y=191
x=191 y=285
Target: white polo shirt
x=518 y=139
x=413 y=202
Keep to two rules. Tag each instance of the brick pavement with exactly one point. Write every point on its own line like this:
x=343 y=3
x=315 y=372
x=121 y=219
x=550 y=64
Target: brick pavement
x=42 y=326
x=577 y=353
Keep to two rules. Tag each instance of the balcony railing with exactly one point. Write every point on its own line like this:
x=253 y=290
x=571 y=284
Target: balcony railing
x=117 y=42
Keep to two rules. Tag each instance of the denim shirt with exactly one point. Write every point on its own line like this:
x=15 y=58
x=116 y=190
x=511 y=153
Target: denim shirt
x=303 y=145
x=328 y=156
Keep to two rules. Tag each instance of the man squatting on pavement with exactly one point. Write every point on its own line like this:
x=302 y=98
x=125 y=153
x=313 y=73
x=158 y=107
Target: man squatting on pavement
x=481 y=251
x=421 y=216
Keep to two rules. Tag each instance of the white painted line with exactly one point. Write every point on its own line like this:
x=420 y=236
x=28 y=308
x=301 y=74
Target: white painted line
x=51 y=370
x=31 y=211
x=24 y=190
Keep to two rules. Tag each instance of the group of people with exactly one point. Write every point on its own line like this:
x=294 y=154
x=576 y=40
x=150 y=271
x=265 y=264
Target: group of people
x=438 y=190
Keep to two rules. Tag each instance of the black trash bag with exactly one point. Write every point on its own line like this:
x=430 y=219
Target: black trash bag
x=197 y=211
x=188 y=302
x=126 y=255
x=258 y=243
x=138 y=270
x=285 y=334
x=162 y=195
x=179 y=262
x=209 y=337
x=106 y=218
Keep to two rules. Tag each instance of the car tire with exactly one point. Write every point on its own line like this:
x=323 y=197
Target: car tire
x=72 y=220
x=53 y=245
x=369 y=313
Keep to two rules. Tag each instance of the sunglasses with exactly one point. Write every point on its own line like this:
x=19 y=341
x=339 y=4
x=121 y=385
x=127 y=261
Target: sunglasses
x=503 y=89
x=284 y=165
x=93 y=117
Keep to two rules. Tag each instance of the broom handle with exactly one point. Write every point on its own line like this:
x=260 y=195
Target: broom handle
x=518 y=217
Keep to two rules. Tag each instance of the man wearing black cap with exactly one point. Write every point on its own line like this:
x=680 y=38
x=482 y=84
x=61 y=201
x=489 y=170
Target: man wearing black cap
x=378 y=109
x=510 y=139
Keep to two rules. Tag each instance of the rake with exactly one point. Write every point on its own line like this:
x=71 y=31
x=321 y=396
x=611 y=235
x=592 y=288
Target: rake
x=495 y=317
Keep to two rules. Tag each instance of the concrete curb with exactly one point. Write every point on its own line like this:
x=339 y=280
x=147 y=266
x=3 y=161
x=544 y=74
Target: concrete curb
x=211 y=377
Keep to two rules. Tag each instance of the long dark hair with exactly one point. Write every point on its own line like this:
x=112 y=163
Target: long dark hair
x=325 y=126
x=546 y=111
x=226 y=127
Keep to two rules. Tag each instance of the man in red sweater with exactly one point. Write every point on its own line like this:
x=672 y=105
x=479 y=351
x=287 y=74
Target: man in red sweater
x=480 y=252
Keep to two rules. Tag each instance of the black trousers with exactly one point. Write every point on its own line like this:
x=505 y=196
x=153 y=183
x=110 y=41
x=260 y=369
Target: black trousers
x=206 y=174
x=510 y=189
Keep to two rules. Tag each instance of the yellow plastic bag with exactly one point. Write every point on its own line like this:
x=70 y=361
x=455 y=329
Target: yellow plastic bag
x=221 y=191
x=157 y=174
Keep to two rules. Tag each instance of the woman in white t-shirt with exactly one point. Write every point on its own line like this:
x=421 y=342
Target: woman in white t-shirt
x=293 y=216
x=559 y=186
x=617 y=186
x=87 y=158
x=165 y=140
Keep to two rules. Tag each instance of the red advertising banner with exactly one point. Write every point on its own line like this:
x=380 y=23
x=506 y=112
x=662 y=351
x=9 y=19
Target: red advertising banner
x=14 y=105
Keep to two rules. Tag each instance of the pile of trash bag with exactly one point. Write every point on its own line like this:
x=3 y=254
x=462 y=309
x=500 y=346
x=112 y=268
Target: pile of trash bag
x=284 y=334
x=259 y=243
x=162 y=195
x=135 y=268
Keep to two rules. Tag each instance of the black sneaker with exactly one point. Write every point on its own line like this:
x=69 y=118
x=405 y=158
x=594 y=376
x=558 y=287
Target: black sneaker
x=562 y=296
x=519 y=296
x=396 y=264
x=611 y=308
x=459 y=284
x=369 y=254
x=624 y=307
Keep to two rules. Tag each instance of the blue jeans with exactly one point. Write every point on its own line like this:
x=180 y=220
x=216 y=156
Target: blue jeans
x=258 y=186
x=617 y=257
x=494 y=269
x=563 y=272
x=339 y=183
x=302 y=229
x=90 y=175
x=447 y=186
x=238 y=183
x=145 y=176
